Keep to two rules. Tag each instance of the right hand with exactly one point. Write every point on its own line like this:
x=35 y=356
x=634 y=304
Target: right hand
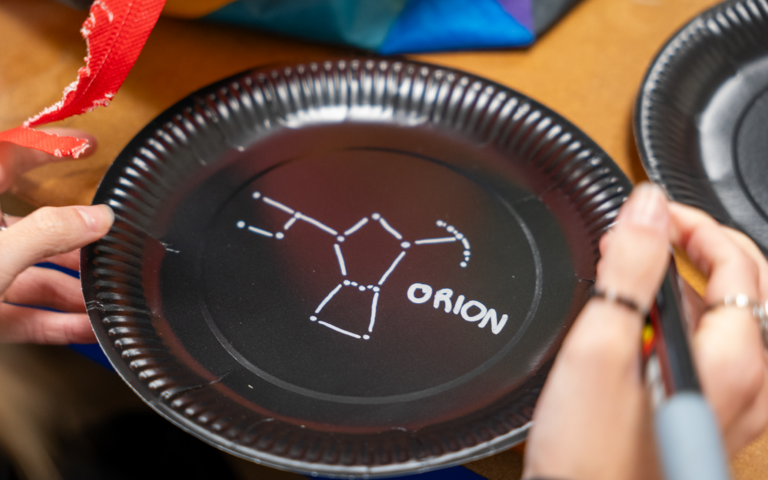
x=727 y=345
x=593 y=420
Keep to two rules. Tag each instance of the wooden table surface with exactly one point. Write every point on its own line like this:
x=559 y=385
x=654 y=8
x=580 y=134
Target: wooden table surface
x=588 y=68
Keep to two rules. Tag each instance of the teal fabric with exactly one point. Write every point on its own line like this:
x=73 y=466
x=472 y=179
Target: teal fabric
x=361 y=23
x=389 y=26
x=434 y=25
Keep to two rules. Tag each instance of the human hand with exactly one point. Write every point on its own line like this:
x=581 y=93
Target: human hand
x=727 y=344
x=593 y=419
x=51 y=235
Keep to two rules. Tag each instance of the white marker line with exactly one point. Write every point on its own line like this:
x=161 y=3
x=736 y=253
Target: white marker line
x=314 y=222
x=466 y=243
x=391 y=268
x=435 y=240
x=389 y=228
x=260 y=231
x=339 y=330
x=340 y=257
x=356 y=226
x=289 y=223
x=373 y=311
x=278 y=205
x=328 y=298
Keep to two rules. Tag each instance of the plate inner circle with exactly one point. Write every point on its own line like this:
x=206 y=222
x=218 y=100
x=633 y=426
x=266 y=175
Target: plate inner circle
x=367 y=274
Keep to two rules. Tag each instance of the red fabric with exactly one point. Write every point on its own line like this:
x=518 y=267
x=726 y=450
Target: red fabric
x=115 y=31
x=47 y=142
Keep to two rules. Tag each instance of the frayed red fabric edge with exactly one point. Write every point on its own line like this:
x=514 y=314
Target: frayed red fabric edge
x=47 y=142
x=115 y=32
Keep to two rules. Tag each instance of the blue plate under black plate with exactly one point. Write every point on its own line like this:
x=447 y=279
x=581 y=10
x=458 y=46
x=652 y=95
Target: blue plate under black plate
x=353 y=267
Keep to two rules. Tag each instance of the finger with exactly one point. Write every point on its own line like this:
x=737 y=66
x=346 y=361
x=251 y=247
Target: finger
x=22 y=324
x=636 y=256
x=731 y=269
x=16 y=160
x=43 y=287
x=594 y=387
x=687 y=217
x=70 y=260
x=605 y=241
x=749 y=247
x=728 y=353
x=750 y=424
x=47 y=232
x=632 y=264
x=727 y=345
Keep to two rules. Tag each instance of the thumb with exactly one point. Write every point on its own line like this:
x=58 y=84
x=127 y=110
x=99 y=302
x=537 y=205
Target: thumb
x=592 y=402
x=635 y=258
x=49 y=231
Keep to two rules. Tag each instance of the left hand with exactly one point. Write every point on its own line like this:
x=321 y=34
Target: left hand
x=47 y=235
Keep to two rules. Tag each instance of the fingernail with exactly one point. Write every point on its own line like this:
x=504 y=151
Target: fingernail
x=647 y=206
x=98 y=217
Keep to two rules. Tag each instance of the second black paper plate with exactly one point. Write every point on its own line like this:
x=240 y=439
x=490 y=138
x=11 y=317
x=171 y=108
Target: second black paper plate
x=701 y=116
x=353 y=268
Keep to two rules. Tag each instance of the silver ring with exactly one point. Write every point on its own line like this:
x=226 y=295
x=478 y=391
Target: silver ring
x=759 y=311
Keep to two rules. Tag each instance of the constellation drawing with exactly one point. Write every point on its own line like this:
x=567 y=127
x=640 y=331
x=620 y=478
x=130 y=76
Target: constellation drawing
x=452 y=236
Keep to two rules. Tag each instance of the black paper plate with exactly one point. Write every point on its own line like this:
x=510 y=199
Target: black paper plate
x=353 y=268
x=702 y=114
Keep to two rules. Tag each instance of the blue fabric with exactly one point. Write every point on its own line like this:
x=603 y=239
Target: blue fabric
x=435 y=25
x=53 y=266
x=361 y=23
x=454 y=473
x=386 y=26
x=93 y=350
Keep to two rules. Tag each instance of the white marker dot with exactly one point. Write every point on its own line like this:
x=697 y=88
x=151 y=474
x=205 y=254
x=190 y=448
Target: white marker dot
x=369 y=287
x=459 y=235
x=354 y=284
x=467 y=253
x=279 y=235
x=376 y=289
x=366 y=337
x=346 y=283
x=361 y=288
x=313 y=318
x=241 y=224
x=256 y=195
x=250 y=386
x=450 y=228
x=340 y=239
x=405 y=244
x=463 y=264
x=440 y=223
x=375 y=216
